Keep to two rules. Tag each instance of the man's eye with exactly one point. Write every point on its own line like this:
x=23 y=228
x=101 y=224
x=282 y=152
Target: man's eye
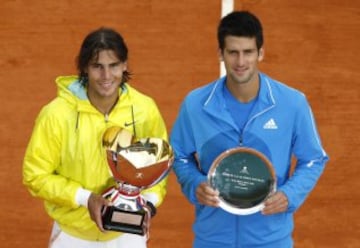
x=114 y=65
x=95 y=66
x=249 y=51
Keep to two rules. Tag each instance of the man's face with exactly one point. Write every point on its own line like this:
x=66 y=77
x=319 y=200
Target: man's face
x=105 y=75
x=241 y=57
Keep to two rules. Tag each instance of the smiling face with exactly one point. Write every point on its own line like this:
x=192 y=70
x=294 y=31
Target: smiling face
x=105 y=75
x=241 y=57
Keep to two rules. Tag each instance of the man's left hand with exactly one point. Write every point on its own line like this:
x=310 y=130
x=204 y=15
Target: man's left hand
x=277 y=203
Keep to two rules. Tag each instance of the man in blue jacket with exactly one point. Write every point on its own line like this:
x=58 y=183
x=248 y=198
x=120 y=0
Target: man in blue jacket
x=246 y=108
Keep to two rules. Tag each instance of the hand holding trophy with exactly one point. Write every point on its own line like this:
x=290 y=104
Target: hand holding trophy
x=135 y=166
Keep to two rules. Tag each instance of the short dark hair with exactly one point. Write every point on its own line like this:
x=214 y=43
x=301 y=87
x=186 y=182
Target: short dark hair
x=240 y=23
x=97 y=41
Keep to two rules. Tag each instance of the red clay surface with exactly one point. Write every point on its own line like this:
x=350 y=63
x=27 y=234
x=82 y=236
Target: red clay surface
x=311 y=45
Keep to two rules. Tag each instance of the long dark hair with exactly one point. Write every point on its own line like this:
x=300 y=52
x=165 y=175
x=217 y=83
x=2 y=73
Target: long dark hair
x=97 y=41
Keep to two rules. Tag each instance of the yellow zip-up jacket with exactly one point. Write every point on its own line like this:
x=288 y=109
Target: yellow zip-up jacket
x=65 y=152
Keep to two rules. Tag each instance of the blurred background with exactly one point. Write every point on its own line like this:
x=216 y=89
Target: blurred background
x=309 y=45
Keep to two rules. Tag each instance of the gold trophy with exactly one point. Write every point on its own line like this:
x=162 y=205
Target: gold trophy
x=136 y=164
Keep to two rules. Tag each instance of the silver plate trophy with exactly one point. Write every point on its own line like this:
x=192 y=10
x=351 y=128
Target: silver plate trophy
x=135 y=165
x=244 y=177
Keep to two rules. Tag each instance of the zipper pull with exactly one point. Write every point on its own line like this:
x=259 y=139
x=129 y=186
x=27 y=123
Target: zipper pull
x=106 y=117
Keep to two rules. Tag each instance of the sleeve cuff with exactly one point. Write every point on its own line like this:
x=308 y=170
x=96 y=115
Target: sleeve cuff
x=151 y=197
x=82 y=197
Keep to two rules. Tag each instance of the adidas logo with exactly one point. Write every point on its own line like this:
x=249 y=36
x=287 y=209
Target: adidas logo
x=270 y=124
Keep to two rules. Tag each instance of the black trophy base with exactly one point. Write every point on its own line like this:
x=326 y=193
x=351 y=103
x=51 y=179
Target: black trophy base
x=116 y=219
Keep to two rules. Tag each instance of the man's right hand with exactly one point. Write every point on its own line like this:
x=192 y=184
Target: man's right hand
x=95 y=205
x=207 y=195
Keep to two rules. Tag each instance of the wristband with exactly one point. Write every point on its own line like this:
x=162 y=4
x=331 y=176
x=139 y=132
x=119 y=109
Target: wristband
x=152 y=208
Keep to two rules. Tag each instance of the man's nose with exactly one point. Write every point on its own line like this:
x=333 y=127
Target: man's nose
x=241 y=59
x=106 y=72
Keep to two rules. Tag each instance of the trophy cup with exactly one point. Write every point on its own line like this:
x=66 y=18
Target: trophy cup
x=135 y=165
x=244 y=177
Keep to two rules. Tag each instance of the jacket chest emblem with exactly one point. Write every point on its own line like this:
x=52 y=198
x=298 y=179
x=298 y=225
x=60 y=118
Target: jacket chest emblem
x=270 y=124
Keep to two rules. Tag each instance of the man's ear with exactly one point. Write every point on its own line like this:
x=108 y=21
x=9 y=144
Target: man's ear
x=261 y=54
x=125 y=66
x=220 y=55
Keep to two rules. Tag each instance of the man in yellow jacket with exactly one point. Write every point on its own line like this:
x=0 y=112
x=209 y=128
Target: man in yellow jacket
x=65 y=163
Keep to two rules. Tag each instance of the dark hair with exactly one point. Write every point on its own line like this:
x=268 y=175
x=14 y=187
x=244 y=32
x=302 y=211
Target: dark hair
x=240 y=23
x=97 y=41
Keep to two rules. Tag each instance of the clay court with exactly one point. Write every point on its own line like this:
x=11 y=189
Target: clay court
x=309 y=44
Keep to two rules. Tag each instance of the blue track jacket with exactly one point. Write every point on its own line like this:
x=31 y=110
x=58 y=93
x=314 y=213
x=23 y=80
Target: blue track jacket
x=280 y=125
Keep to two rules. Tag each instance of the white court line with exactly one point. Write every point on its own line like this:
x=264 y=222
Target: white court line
x=227 y=6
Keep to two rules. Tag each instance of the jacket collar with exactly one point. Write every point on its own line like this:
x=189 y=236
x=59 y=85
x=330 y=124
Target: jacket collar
x=215 y=102
x=70 y=89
